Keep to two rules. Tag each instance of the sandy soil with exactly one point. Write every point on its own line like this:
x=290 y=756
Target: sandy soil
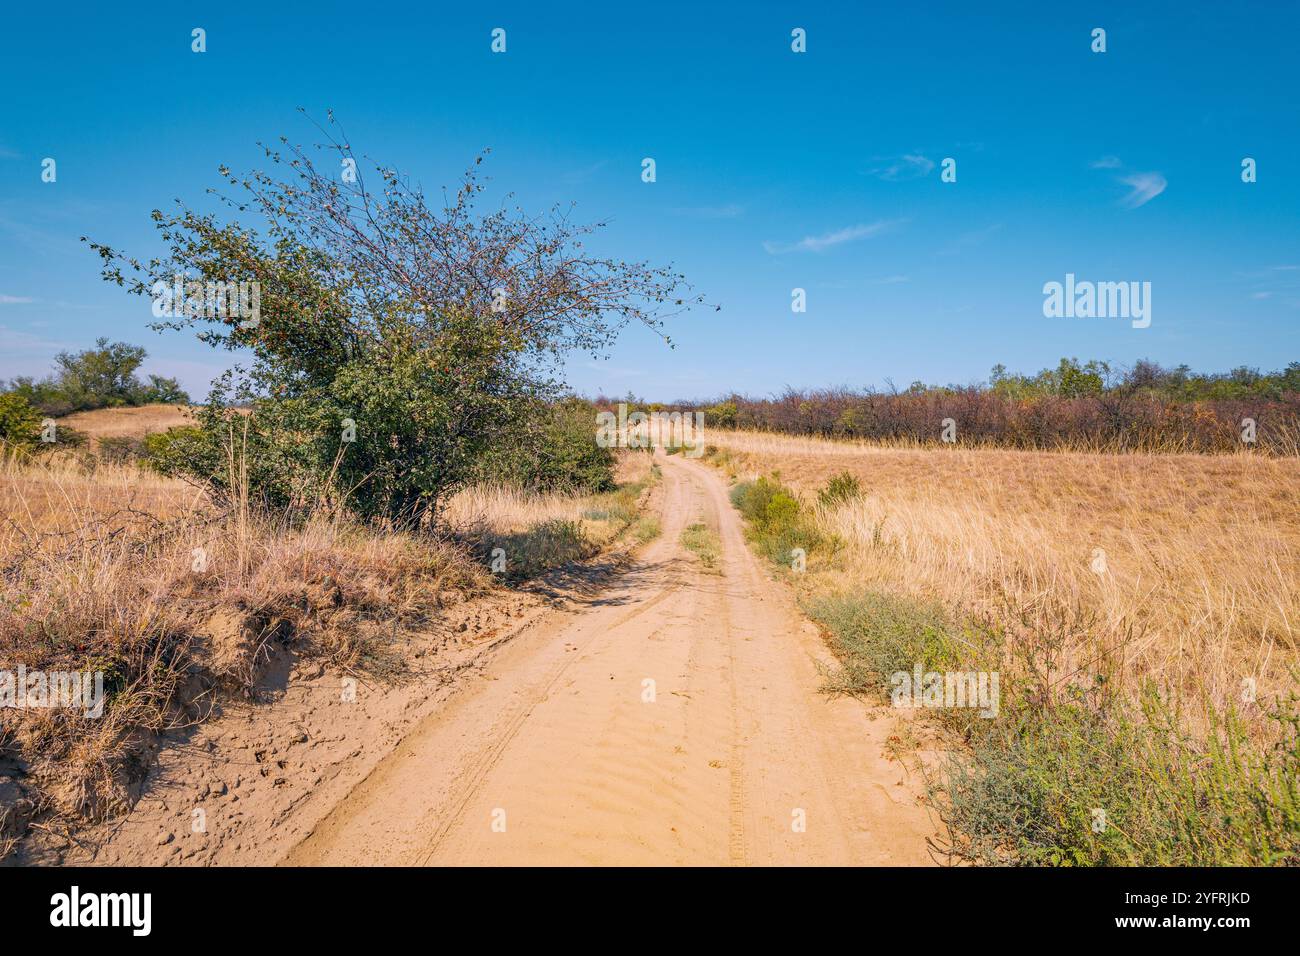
x=645 y=713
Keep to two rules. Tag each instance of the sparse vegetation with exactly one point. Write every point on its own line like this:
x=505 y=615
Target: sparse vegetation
x=112 y=556
x=536 y=532
x=355 y=479
x=1121 y=688
x=703 y=542
x=778 y=523
x=111 y=550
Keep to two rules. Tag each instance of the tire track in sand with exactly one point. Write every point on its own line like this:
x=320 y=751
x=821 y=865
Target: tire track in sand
x=561 y=744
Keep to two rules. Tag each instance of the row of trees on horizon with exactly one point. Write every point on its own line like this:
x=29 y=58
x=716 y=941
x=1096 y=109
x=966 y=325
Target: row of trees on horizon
x=1091 y=404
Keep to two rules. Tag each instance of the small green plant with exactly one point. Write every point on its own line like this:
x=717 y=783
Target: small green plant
x=646 y=529
x=842 y=488
x=777 y=524
x=699 y=539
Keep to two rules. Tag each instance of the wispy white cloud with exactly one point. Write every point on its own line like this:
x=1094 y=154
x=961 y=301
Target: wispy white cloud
x=907 y=166
x=17 y=341
x=1273 y=284
x=831 y=239
x=1144 y=187
x=15 y=299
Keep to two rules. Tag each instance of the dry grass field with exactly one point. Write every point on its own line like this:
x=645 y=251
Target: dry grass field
x=1083 y=576
x=1142 y=610
x=128 y=421
x=1201 y=586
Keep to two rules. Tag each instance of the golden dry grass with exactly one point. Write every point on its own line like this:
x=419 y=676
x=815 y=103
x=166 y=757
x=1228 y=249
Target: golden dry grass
x=1201 y=587
x=61 y=492
x=495 y=510
x=128 y=422
x=112 y=568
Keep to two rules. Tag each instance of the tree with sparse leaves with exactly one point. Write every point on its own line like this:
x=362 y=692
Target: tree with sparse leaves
x=434 y=329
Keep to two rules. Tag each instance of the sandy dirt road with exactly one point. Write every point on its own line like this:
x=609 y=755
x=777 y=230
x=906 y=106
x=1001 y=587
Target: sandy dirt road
x=675 y=721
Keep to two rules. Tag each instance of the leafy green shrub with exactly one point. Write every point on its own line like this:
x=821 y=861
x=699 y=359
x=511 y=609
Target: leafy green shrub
x=162 y=391
x=776 y=523
x=721 y=415
x=740 y=493
x=553 y=448
x=842 y=488
x=171 y=452
x=20 y=424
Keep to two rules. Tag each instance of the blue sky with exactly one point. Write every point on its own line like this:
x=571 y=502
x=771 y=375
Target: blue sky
x=775 y=170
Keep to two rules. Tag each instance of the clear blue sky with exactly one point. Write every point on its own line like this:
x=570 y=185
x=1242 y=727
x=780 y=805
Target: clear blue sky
x=1061 y=159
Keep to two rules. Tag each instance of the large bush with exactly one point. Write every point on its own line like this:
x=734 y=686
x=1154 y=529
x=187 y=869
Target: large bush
x=395 y=345
x=20 y=424
x=554 y=449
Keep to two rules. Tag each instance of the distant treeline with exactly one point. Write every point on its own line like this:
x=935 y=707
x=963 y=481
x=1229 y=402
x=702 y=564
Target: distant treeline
x=1075 y=405
x=102 y=377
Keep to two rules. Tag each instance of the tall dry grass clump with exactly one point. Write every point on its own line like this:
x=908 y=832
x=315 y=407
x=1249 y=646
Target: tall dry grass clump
x=535 y=532
x=177 y=599
x=131 y=575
